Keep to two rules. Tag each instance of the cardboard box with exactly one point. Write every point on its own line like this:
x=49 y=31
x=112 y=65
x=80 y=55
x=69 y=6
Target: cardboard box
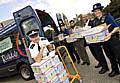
x=71 y=38
x=41 y=67
x=62 y=75
x=58 y=67
x=46 y=77
x=95 y=30
x=61 y=37
x=51 y=54
x=96 y=38
x=66 y=81
x=55 y=80
x=78 y=32
x=96 y=34
x=55 y=59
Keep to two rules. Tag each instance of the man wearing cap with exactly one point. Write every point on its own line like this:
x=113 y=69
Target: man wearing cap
x=79 y=45
x=38 y=46
x=96 y=49
x=65 y=30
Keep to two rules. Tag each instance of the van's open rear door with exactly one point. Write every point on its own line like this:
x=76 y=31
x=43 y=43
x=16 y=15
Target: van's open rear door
x=46 y=19
x=26 y=20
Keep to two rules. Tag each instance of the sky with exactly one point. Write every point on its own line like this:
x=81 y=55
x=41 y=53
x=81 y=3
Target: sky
x=69 y=7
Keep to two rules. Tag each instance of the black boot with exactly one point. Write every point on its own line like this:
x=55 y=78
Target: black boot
x=87 y=63
x=103 y=70
x=113 y=73
x=83 y=63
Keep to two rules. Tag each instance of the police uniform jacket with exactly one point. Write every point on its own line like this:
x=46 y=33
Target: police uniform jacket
x=106 y=18
x=34 y=47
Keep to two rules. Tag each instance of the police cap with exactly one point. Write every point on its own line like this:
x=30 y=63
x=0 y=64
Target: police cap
x=97 y=6
x=33 y=32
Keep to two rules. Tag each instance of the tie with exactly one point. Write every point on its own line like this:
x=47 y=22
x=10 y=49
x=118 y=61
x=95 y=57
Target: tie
x=38 y=48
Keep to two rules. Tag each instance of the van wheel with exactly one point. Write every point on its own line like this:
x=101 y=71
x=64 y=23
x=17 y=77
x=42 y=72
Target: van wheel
x=26 y=72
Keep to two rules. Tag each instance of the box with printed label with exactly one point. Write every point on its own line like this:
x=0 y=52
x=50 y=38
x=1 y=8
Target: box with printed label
x=61 y=37
x=95 y=38
x=41 y=67
x=96 y=34
x=55 y=59
x=46 y=77
x=55 y=80
x=71 y=38
x=77 y=32
x=78 y=35
x=58 y=67
x=62 y=75
x=66 y=80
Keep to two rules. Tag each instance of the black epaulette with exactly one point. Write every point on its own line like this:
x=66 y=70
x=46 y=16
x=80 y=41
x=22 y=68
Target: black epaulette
x=43 y=39
x=32 y=46
x=47 y=53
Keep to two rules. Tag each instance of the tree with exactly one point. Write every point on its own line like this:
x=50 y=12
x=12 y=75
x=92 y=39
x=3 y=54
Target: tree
x=113 y=8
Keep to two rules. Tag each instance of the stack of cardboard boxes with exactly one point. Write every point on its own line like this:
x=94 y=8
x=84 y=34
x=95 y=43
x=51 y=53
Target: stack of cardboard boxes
x=50 y=70
x=96 y=34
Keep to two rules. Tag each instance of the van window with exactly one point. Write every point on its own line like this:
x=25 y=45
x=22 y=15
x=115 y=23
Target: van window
x=8 y=48
x=30 y=24
x=5 y=44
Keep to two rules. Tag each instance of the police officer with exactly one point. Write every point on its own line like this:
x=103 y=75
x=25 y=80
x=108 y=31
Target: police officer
x=109 y=39
x=38 y=46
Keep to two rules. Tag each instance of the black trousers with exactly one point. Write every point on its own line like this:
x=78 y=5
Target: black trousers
x=116 y=49
x=107 y=46
x=97 y=52
x=114 y=44
x=72 y=51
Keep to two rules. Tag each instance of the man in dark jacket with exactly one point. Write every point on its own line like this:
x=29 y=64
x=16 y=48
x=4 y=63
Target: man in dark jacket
x=69 y=45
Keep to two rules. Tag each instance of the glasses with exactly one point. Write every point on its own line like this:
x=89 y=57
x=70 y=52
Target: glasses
x=34 y=35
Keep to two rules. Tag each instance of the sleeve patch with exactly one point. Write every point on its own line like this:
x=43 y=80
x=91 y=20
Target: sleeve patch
x=32 y=46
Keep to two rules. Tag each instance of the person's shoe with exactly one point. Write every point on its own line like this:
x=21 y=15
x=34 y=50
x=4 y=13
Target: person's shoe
x=87 y=63
x=78 y=61
x=103 y=70
x=83 y=63
x=98 y=66
x=113 y=73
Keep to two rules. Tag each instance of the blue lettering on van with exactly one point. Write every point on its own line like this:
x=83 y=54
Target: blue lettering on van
x=9 y=56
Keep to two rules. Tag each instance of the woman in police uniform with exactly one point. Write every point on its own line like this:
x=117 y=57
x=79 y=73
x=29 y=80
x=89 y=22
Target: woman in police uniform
x=96 y=49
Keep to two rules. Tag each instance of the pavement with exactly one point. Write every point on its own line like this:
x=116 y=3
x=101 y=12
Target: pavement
x=89 y=74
